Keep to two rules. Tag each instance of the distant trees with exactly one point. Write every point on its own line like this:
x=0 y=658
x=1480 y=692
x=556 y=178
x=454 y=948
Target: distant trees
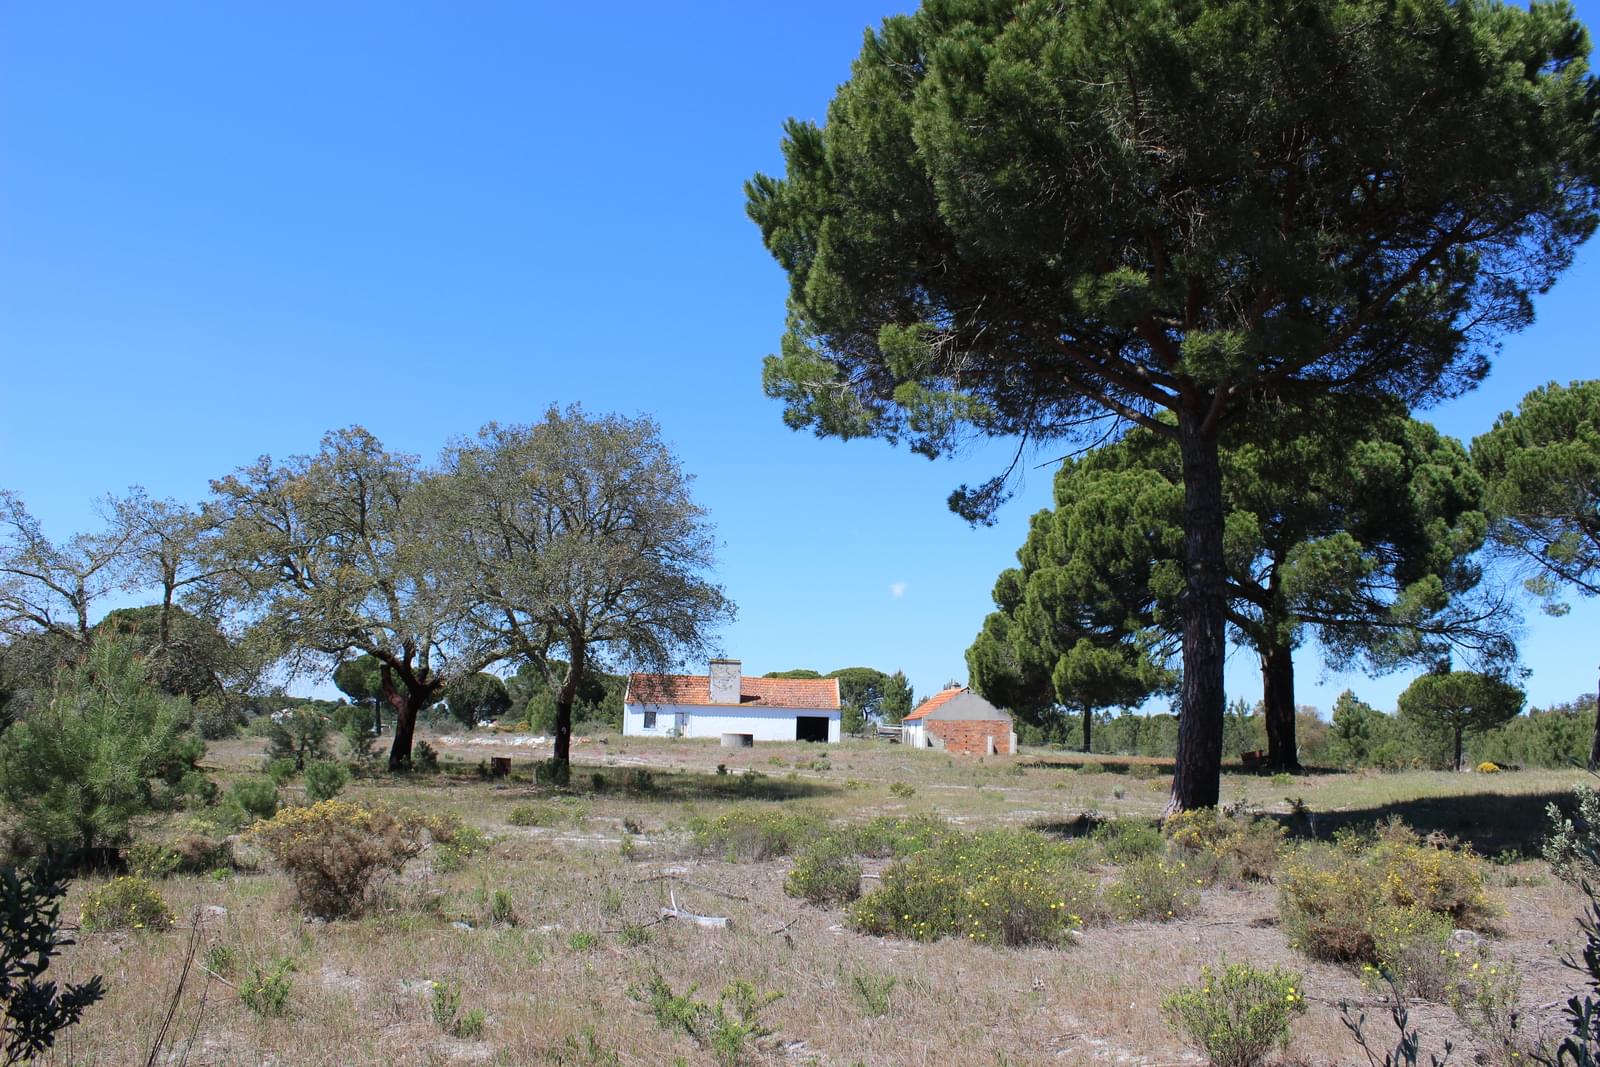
x=865 y=693
x=477 y=698
x=1026 y=220
x=898 y=698
x=48 y=587
x=1452 y=703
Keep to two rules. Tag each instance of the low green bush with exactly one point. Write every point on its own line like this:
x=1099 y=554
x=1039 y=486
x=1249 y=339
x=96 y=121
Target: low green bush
x=1009 y=887
x=1154 y=889
x=824 y=874
x=533 y=815
x=752 y=836
x=248 y=800
x=1126 y=840
x=1238 y=1015
x=265 y=991
x=127 y=903
x=325 y=779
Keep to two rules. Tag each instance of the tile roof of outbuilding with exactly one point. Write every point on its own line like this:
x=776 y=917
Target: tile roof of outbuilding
x=934 y=701
x=695 y=689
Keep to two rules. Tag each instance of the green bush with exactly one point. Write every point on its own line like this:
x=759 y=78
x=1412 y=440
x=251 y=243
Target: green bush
x=1411 y=952
x=266 y=990
x=325 y=779
x=824 y=874
x=1001 y=886
x=300 y=736
x=280 y=771
x=1239 y=1015
x=896 y=835
x=250 y=799
x=902 y=789
x=752 y=836
x=127 y=903
x=454 y=841
x=79 y=770
x=533 y=815
x=448 y=1016
x=1229 y=848
x=1126 y=840
x=1154 y=889
x=1572 y=845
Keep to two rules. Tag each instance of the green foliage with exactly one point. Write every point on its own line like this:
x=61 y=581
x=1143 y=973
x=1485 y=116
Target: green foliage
x=152 y=859
x=455 y=842
x=476 y=698
x=127 y=903
x=301 y=736
x=360 y=679
x=280 y=771
x=448 y=1016
x=325 y=779
x=903 y=790
x=80 y=770
x=825 y=874
x=872 y=992
x=898 y=698
x=727 y=1029
x=1001 y=886
x=1543 y=469
x=426 y=758
x=249 y=799
x=1226 y=847
x=753 y=836
x=35 y=1009
x=533 y=815
x=1453 y=703
x=1559 y=736
x=1154 y=889
x=1239 y=1015
x=266 y=990
x=1573 y=847
x=1125 y=840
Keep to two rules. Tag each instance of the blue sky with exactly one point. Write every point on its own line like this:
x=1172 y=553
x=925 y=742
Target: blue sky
x=228 y=228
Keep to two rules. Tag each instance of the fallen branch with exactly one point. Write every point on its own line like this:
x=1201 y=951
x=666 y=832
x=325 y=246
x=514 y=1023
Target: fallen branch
x=676 y=912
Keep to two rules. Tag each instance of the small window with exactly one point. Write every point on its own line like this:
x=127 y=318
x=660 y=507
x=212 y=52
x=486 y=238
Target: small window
x=649 y=720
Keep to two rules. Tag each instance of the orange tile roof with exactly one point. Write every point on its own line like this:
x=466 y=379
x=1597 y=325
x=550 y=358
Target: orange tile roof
x=695 y=689
x=934 y=701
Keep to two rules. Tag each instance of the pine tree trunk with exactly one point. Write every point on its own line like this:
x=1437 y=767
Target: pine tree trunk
x=1277 y=688
x=1459 y=732
x=1088 y=723
x=1196 y=779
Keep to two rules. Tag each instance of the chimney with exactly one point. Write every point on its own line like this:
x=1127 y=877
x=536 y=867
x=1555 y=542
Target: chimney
x=725 y=688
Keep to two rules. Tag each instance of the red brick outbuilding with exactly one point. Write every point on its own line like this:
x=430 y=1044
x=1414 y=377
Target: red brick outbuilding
x=960 y=721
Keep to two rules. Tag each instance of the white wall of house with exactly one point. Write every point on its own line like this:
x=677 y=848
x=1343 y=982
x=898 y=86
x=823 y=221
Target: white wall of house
x=711 y=720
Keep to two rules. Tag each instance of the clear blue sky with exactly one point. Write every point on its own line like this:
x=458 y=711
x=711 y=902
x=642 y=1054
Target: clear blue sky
x=228 y=228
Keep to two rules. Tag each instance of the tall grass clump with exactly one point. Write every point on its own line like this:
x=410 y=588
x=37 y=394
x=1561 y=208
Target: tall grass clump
x=1010 y=887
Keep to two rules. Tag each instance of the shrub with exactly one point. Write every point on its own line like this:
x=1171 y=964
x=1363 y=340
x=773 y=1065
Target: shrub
x=1327 y=906
x=250 y=799
x=553 y=772
x=454 y=841
x=78 y=771
x=127 y=903
x=448 y=1017
x=35 y=1009
x=152 y=859
x=754 y=835
x=533 y=815
x=902 y=789
x=324 y=780
x=1225 y=847
x=1238 y=1015
x=281 y=771
x=1154 y=889
x=1486 y=767
x=827 y=873
x=1410 y=946
x=726 y=1029
x=335 y=851
x=1125 y=840
x=1442 y=878
x=300 y=736
x=424 y=758
x=1006 y=886
x=872 y=991
x=1572 y=846
x=266 y=990
x=896 y=835
x=639 y=780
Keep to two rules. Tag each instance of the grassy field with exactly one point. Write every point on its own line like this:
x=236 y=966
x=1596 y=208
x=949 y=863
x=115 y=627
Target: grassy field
x=588 y=872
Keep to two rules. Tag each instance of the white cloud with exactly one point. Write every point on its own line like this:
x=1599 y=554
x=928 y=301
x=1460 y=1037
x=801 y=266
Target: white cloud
x=898 y=589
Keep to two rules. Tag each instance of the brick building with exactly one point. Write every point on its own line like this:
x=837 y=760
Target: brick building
x=959 y=721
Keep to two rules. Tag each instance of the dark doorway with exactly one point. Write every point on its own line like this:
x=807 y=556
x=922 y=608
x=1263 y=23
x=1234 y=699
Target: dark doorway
x=810 y=728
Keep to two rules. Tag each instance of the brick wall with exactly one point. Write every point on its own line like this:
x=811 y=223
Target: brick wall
x=968 y=737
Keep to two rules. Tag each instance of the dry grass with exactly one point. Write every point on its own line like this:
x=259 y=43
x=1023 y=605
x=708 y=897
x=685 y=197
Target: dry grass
x=361 y=989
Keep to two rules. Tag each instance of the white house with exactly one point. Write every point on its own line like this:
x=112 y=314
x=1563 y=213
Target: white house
x=726 y=702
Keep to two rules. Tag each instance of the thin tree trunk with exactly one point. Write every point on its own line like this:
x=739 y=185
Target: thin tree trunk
x=1088 y=723
x=1459 y=732
x=564 y=698
x=1277 y=688
x=1196 y=779
x=377 y=717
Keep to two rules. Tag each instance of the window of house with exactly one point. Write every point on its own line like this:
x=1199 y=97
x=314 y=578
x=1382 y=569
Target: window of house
x=649 y=720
